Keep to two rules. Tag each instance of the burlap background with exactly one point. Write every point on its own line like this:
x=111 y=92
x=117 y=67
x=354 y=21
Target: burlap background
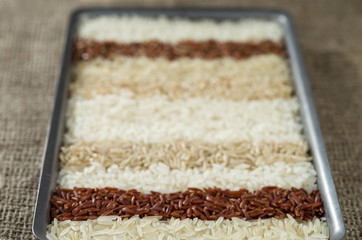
x=31 y=42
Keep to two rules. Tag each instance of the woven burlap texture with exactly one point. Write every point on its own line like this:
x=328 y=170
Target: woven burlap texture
x=32 y=34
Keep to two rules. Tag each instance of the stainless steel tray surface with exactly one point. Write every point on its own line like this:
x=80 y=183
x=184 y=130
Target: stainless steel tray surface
x=300 y=80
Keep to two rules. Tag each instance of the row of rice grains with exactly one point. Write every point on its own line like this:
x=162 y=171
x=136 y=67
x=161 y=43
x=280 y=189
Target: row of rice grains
x=208 y=204
x=180 y=129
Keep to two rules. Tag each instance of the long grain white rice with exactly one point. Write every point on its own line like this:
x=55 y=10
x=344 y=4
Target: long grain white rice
x=159 y=177
x=265 y=76
x=121 y=117
x=180 y=154
x=111 y=227
x=138 y=29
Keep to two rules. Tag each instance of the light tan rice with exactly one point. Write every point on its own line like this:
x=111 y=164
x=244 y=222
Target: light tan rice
x=180 y=154
x=261 y=77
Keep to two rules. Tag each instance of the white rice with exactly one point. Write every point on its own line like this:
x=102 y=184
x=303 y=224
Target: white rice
x=159 y=177
x=180 y=154
x=120 y=117
x=111 y=227
x=137 y=29
x=264 y=76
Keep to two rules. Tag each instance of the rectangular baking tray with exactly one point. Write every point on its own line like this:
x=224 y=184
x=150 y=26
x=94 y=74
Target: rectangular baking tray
x=300 y=82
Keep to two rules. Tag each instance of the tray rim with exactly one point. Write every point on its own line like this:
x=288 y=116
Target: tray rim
x=300 y=80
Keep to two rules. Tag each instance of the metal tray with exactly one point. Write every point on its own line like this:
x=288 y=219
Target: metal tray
x=300 y=81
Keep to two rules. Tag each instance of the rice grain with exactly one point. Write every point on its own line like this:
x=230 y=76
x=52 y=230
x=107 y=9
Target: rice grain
x=159 y=177
x=120 y=117
x=138 y=29
x=111 y=227
x=261 y=77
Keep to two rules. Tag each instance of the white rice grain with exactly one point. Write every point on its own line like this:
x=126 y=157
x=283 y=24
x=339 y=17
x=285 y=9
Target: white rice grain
x=159 y=177
x=152 y=228
x=138 y=29
x=120 y=117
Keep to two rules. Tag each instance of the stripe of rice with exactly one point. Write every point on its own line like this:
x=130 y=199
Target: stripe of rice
x=265 y=76
x=138 y=29
x=117 y=118
x=180 y=154
x=151 y=228
x=159 y=177
x=86 y=49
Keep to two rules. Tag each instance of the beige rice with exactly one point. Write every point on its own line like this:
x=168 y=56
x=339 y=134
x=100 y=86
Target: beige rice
x=265 y=76
x=180 y=154
x=112 y=227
